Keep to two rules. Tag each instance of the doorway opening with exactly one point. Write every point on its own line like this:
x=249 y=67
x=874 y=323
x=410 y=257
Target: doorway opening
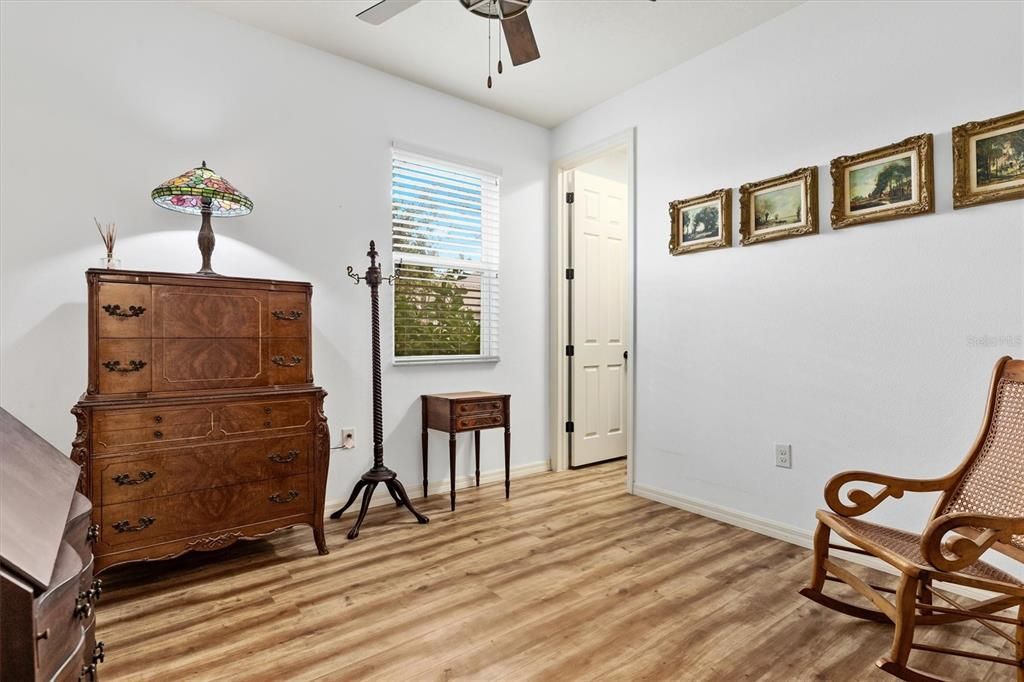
x=592 y=383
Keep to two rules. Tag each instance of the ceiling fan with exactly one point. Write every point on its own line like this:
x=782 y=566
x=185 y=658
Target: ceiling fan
x=515 y=24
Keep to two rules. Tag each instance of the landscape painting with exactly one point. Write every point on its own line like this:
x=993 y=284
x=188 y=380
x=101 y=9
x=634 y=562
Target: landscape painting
x=999 y=159
x=988 y=160
x=701 y=223
x=782 y=207
x=895 y=181
x=777 y=208
x=879 y=185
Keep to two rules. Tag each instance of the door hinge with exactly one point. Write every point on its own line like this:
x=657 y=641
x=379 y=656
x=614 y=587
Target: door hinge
x=570 y=273
x=569 y=427
x=570 y=197
x=570 y=350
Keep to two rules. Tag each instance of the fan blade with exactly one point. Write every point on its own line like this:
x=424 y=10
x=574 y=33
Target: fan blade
x=522 y=46
x=384 y=10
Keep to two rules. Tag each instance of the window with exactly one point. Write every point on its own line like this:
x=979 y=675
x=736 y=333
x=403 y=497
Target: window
x=445 y=245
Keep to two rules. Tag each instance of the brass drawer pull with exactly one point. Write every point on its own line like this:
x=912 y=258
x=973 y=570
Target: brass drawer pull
x=267 y=410
x=126 y=479
x=95 y=590
x=268 y=423
x=88 y=673
x=284 y=459
x=280 y=361
x=93 y=534
x=290 y=316
x=158 y=419
x=133 y=366
x=127 y=527
x=276 y=497
x=98 y=655
x=158 y=434
x=115 y=311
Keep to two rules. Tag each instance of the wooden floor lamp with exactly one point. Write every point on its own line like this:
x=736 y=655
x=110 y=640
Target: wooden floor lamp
x=378 y=473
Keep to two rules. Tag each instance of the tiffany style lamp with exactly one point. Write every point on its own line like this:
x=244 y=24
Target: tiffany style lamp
x=201 y=191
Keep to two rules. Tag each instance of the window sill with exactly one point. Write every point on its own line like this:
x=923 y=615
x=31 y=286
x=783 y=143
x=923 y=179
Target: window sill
x=446 y=360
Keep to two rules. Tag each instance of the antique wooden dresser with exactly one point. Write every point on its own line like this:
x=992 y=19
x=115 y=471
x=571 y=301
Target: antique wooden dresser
x=201 y=424
x=47 y=589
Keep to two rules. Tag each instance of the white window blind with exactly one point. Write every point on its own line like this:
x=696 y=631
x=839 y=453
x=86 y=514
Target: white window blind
x=445 y=246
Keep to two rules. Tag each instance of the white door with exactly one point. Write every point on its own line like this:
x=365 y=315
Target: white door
x=598 y=335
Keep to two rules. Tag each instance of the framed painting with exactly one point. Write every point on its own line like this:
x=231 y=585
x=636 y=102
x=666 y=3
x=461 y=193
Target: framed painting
x=701 y=223
x=988 y=160
x=890 y=182
x=779 y=208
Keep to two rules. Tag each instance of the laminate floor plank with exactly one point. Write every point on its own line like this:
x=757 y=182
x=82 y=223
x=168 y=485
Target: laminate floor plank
x=571 y=579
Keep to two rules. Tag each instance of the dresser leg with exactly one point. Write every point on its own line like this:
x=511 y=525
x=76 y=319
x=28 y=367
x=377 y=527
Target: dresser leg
x=451 y=465
x=367 y=495
x=355 y=493
x=318 y=538
x=476 y=439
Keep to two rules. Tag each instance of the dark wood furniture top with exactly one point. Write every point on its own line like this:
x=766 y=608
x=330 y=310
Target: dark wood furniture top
x=201 y=424
x=465 y=411
x=47 y=629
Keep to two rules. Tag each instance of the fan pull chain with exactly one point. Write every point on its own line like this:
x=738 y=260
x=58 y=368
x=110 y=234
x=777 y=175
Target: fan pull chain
x=489 y=54
x=500 y=31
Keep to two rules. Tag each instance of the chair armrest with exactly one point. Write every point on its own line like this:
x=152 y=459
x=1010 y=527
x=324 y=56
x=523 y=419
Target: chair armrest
x=861 y=501
x=960 y=552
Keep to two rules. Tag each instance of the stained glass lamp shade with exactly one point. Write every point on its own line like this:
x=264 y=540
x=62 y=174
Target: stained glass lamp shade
x=200 y=191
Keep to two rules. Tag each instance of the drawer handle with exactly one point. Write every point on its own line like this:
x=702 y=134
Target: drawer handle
x=127 y=527
x=88 y=673
x=83 y=606
x=268 y=423
x=284 y=459
x=93 y=534
x=290 y=316
x=126 y=479
x=280 y=361
x=133 y=311
x=276 y=497
x=95 y=591
x=158 y=419
x=133 y=366
x=267 y=410
x=158 y=434
x=98 y=654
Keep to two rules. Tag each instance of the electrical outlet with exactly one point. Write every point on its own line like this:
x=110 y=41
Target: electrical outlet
x=348 y=439
x=784 y=455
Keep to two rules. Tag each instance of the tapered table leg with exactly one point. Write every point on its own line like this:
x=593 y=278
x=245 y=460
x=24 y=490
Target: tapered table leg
x=451 y=465
x=508 y=458
x=476 y=439
x=424 y=441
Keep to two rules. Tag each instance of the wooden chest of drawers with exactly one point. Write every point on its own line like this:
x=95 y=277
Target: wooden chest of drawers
x=47 y=589
x=200 y=425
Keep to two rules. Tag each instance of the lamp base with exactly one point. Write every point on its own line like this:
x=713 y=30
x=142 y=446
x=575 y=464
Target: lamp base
x=207 y=240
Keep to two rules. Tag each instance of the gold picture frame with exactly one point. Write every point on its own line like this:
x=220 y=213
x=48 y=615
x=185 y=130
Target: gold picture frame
x=794 y=194
x=1004 y=180
x=887 y=183
x=689 y=213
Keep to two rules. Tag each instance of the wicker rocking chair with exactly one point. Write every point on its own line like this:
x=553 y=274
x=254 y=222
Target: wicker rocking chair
x=982 y=507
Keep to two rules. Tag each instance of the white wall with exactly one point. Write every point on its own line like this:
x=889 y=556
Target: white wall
x=103 y=101
x=860 y=347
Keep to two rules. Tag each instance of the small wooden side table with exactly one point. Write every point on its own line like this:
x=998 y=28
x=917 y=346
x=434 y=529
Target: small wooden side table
x=467 y=411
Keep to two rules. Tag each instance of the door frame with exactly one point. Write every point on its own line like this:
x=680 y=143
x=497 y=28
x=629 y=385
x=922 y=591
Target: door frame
x=559 y=364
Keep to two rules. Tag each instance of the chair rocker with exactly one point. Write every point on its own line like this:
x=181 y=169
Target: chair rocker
x=981 y=508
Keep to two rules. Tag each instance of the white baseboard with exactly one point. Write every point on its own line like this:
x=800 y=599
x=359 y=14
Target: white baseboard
x=415 y=488
x=774 y=529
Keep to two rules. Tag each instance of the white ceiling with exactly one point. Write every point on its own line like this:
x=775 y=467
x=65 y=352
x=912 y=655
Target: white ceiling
x=590 y=49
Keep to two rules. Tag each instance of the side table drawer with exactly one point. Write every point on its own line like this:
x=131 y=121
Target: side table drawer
x=480 y=421
x=481 y=407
